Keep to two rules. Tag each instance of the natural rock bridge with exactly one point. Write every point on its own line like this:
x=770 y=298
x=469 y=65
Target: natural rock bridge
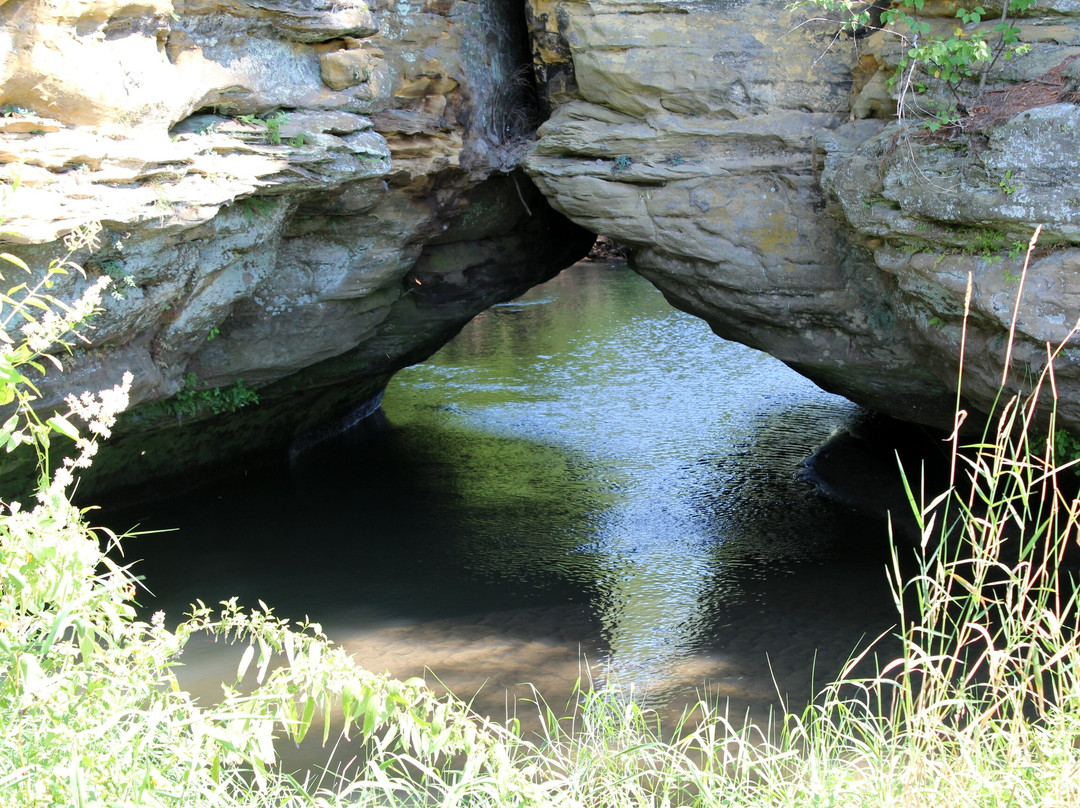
x=299 y=199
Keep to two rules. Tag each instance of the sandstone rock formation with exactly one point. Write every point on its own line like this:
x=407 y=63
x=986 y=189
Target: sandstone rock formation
x=298 y=199
x=729 y=145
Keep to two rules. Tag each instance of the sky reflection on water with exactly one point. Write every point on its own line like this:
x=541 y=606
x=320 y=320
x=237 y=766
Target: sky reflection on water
x=582 y=472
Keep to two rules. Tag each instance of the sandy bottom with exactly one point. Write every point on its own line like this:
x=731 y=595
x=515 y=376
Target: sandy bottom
x=500 y=661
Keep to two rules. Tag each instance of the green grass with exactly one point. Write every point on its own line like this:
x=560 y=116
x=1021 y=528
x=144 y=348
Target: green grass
x=980 y=708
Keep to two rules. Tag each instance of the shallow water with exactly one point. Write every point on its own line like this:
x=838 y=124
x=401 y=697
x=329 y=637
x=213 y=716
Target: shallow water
x=584 y=481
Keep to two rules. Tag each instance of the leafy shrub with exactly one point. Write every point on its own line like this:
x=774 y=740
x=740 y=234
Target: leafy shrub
x=981 y=706
x=91 y=712
x=1067 y=448
x=218 y=400
x=271 y=123
x=967 y=54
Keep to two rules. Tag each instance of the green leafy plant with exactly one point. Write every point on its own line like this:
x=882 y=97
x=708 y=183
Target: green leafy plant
x=122 y=280
x=985 y=242
x=34 y=327
x=952 y=62
x=1067 y=449
x=253 y=206
x=91 y=711
x=191 y=401
x=1006 y=183
x=1017 y=248
x=622 y=163
x=272 y=123
x=979 y=706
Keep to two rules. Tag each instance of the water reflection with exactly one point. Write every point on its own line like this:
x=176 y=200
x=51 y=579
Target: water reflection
x=688 y=444
x=582 y=474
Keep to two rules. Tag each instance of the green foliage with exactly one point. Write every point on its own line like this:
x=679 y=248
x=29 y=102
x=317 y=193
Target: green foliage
x=1067 y=449
x=191 y=401
x=1006 y=183
x=34 y=326
x=981 y=706
x=253 y=206
x=91 y=711
x=272 y=123
x=967 y=54
x=113 y=268
x=122 y=280
x=622 y=163
x=986 y=242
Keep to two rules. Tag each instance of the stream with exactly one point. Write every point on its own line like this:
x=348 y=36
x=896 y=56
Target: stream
x=585 y=483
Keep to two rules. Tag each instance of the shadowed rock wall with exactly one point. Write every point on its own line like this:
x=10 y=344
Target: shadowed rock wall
x=731 y=146
x=297 y=198
x=301 y=198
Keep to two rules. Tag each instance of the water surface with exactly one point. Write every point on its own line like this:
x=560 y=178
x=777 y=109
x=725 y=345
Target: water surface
x=584 y=481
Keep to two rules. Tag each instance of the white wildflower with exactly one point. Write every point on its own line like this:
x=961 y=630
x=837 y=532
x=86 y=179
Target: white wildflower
x=42 y=334
x=99 y=412
x=62 y=477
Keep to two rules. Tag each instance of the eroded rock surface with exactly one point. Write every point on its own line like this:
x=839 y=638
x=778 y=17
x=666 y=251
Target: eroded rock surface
x=733 y=147
x=937 y=213
x=301 y=198
x=298 y=199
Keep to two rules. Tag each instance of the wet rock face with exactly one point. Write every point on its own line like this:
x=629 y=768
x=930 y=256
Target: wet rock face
x=728 y=145
x=297 y=199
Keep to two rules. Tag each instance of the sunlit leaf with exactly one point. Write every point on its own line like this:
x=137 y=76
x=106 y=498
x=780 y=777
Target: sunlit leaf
x=14 y=259
x=63 y=426
x=245 y=661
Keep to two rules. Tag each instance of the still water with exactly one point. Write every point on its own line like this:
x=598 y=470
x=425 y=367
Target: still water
x=584 y=482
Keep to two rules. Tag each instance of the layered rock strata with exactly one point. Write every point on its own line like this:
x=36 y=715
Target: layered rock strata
x=298 y=199
x=732 y=147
